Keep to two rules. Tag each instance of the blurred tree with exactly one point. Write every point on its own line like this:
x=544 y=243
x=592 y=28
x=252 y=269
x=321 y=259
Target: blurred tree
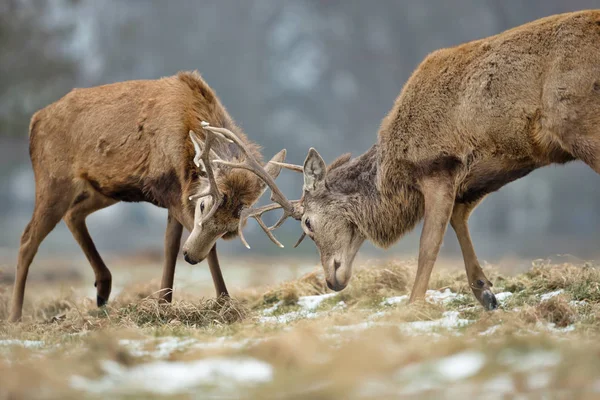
x=34 y=68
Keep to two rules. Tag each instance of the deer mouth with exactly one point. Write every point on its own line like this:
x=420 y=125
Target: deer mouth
x=189 y=260
x=335 y=285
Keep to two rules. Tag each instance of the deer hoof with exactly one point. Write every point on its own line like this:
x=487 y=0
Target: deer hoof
x=100 y=301
x=488 y=300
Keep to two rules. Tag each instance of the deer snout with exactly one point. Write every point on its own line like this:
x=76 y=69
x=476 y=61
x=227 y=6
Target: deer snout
x=188 y=259
x=333 y=283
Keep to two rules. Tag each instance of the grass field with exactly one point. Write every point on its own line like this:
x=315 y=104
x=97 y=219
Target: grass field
x=297 y=340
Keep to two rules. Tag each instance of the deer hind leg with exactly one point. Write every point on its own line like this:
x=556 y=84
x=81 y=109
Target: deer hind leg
x=479 y=283
x=439 y=200
x=86 y=202
x=50 y=206
x=172 y=245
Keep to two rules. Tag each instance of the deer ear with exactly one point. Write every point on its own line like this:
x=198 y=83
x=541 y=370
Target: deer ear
x=314 y=170
x=272 y=168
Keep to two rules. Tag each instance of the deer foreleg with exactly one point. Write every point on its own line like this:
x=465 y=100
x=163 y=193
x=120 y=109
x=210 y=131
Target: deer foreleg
x=479 y=283
x=439 y=201
x=172 y=244
x=215 y=271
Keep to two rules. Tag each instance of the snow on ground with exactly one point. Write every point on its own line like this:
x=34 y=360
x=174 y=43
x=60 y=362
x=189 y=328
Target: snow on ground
x=549 y=295
x=308 y=305
x=502 y=296
x=439 y=373
x=29 y=344
x=432 y=296
x=163 y=347
x=312 y=302
x=170 y=378
x=450 y=320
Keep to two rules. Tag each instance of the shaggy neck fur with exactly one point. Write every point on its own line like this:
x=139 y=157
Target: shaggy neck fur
x=382 y=217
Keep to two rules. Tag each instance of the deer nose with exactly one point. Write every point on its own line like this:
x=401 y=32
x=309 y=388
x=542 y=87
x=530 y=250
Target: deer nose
x=336 y=265
x=335 y=286
x=187 y=258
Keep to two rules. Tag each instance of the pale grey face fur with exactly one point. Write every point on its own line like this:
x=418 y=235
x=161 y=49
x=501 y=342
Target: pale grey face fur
x=327 y=221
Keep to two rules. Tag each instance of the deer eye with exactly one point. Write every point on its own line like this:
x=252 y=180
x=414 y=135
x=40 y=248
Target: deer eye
x=308 y=225
x=202 y=206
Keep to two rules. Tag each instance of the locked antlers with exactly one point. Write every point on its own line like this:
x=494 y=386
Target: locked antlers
x=208 y=157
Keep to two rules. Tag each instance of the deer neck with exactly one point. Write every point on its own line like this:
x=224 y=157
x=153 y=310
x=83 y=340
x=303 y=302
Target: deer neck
x=382 y=216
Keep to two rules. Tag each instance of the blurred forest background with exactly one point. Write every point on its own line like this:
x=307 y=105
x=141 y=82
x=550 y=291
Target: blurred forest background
x=293 y=74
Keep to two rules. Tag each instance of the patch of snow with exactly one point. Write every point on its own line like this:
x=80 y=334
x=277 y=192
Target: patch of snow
x=312 y=302
x=354 y=327
x=340 y=306
x=437 y=374
x=377 y=315
x=436 y=296
x=490 y=331
x=552 y=328
x=390 y=301
x=538 y=380
x=288 y=317
x=502 y=296
x=460 y=366
x=549 y=295
x=170 y=378
x=499 y=385
x=29 y=344
x=308 y=305
x=271 y=310
x=167 y=345
x=431 y=296
x=449 y=320
x=578 y=303
x=222 y=342
x=530 y=361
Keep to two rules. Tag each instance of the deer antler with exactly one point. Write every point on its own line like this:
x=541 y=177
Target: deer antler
x=203 y=160
x=292 y=167
x=290 y=208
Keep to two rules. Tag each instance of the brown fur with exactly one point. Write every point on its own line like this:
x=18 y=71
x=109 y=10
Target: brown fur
x=469 y=120
x=129 y=142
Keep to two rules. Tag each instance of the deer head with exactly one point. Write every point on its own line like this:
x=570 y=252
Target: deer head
x=225 y=195
x=327 y=220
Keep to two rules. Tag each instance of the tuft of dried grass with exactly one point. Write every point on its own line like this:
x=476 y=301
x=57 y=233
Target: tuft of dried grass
x=149 y=311
x=312 y=283
x=582 y=282
x=374 y=282
x=555 y=310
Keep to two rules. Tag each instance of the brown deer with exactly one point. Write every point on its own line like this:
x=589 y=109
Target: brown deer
x=469 y=120
x=129 y=142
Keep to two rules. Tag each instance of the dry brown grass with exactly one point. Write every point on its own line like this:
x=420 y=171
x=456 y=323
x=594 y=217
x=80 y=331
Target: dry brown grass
x=331 y=356
x=556 y=310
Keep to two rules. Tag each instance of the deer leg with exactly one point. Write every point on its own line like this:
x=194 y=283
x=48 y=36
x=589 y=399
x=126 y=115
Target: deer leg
x=439 y=200
x=47 y=213
x=215 y=271
x=479 y=283
x=75 y=220
x=172 y=244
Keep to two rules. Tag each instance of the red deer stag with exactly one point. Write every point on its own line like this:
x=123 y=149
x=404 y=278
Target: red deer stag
x=129 y=142
x=469 y=120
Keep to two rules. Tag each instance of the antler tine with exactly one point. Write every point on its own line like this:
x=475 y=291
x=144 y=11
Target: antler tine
x=205 y=158
x=300 y=240
x=199 y=148
x=256 y=213
x=292 y=167
x=252 y=165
